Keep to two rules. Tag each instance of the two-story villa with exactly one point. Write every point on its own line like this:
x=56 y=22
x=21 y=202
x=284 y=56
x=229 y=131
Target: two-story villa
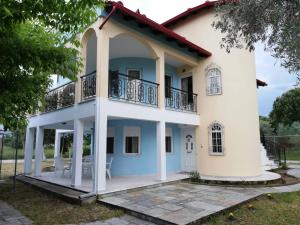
x=157 y=100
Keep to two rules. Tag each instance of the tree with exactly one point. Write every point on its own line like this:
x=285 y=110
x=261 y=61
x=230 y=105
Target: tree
x=33 y=37
x=274 y=22
x=286 y=108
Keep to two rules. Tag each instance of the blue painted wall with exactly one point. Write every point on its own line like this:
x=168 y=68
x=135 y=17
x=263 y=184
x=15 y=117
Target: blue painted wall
x=147 y=66
x=145 y=162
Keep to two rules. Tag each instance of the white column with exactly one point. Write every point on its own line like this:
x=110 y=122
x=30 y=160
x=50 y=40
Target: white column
x=39 y=141
x=100 y=147
x=102 y=63
x=160 y=78
x=92 y=143
x=77 y=153
x=28 y=150
x=57 y=143
x=161 y=150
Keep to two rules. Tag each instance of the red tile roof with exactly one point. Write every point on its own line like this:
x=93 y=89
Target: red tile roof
x=189 y=12
x=143 y=21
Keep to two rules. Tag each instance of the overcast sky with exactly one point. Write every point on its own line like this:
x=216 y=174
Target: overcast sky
x=268 y=69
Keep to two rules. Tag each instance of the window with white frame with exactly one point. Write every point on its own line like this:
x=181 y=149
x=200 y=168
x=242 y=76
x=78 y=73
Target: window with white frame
x=132 y=137
x=216 y=139
x=169 y=140
x=214 y=82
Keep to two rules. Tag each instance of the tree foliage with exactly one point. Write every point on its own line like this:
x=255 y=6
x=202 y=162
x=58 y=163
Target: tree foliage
x=286 y=108
x=33 y=37
x=274 y=22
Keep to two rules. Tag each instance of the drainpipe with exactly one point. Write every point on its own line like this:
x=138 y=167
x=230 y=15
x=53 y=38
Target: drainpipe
x=107 y=18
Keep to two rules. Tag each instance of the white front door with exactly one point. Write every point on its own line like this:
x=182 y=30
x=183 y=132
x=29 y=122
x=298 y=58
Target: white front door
x=188 y=150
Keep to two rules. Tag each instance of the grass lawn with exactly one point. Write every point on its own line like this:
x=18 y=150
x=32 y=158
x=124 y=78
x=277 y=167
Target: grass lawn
x=9 y=153
x=45 y=209
x=282 y=209
x=293 y=155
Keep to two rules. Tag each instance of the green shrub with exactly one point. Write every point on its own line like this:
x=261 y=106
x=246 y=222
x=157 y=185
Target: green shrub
x=195 y=176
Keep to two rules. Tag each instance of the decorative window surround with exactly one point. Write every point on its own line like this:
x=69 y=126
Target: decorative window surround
x=213 y=80
x=169 y=133
x=131 y=132
x=216 y=139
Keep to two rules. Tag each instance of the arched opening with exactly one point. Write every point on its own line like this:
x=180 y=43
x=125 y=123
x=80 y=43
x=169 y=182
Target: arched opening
x=90 y=47
x=132 y=75
x=88 y=80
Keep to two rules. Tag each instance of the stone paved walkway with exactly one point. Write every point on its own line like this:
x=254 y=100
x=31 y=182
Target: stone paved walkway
x=124 y=220
x=184 y=203
x=11 y=216
x=181 y=203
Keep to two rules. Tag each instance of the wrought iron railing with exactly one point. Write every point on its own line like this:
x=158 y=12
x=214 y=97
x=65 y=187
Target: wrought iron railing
x=124 y=88
x=88 y=86
x=275 y=151
x=180 y=100
x=60 y=97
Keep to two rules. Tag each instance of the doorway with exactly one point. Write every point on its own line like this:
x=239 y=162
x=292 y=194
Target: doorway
x=189 y=160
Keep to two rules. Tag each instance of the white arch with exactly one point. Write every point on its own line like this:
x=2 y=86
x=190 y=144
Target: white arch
x=148 y=45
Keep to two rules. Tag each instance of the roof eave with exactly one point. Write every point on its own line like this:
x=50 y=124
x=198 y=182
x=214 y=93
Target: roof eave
x=169 y=34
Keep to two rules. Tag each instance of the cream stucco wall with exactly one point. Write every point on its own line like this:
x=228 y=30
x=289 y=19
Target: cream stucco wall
x=236 y=109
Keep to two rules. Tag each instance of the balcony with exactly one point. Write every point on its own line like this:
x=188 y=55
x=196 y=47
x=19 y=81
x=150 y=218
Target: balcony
x=180 y=100
x=88 y=86
x=121 y=88
x=138 y=91
x=60 y=97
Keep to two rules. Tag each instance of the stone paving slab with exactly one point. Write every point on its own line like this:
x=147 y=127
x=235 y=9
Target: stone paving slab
x=11 y=216
x=294 y=172
x=123 y=220
x=180 y=203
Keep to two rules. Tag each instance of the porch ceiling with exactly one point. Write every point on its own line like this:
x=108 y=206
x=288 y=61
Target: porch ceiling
x=126 y=46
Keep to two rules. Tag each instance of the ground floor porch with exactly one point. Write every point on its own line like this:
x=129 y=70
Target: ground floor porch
x=116 y=184
x=113 y=154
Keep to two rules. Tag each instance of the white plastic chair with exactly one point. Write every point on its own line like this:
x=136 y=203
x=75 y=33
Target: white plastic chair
x=108 y=167
x=59 y=165
x=88 y=165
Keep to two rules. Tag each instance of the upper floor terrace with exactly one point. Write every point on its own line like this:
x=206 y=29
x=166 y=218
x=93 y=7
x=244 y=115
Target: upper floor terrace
x=152 y=67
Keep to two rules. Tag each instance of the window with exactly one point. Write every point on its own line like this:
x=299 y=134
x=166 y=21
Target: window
x=168 y=144
x=110 y=145
x=134 y=74
x=110 y=140
x=132 y=140
x=216 y=139
x=168 y=84
x=214 y=86
x=132 y=145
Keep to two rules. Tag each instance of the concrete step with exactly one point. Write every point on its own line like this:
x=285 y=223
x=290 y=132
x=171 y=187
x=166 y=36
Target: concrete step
x=67 y=194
